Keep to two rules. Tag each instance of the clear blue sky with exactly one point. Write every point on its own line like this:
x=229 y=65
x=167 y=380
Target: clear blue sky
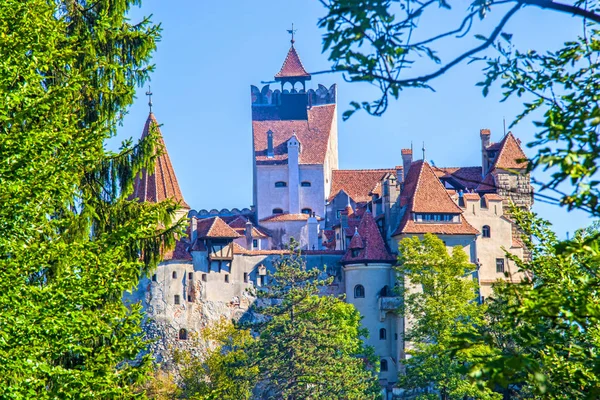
x=212 y=51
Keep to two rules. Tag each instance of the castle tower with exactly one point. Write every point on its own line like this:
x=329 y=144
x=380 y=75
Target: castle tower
x=369 y=279
x=294 y=151
x=161 y=183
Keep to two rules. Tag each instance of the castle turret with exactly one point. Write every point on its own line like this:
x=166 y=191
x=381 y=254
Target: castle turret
x=369 y=277
x=161 y=183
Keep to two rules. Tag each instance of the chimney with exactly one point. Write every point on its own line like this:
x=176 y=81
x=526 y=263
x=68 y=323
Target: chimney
x=313 y=233
x=293 y=149
x=270 y=152
x=248 y=234
x=485 y=136
x=406 y=161
x=399 y=174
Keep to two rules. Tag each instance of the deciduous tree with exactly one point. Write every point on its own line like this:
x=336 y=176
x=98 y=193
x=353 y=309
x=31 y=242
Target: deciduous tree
x=440 y=301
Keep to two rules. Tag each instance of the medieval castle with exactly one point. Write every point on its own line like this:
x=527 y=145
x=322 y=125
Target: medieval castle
x=347 y=220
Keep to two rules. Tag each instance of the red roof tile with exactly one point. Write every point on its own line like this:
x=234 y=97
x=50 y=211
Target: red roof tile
x=471 y=196
x=287 y=217
x=468 y=177
x=462 y=228
x=424 y=193
x=180 y=252
x=357 y=183
x=215 y=227
x=313 y=135
x=493 y=197
x=511 y=155
x=162 y=183
x=369 y=243
x=487 y=184
x=239 y=225
x=428 y=194
x=292 y=66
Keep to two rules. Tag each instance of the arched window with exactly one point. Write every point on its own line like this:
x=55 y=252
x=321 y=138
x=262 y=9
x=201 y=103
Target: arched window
x=183 y=334
x=305 y=184
x=277 y=211
x=385 y=291
x=485 y=231
x=382 y=334
x=306 y=211
x=383 y=365
x=174 y=274
x=359 y=291
x=280 y=184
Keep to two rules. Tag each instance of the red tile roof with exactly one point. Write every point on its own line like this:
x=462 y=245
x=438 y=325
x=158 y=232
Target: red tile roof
x=313 y=135
x=357 y=183
x=511 y=155
x=471 y=196
x=180 y=252
x=424 y=193
x=412 y=227
x=427 y=194
x=487 y=184
x=292 y=66
x=288 y=217
x=161 y=183
x=215 y=227
x=239 y=225
x=493 y=197
x=468 y=177
x=369 y=243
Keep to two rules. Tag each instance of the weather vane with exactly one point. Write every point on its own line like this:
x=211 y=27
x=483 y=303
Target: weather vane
x=292 y=32
x=149 y=94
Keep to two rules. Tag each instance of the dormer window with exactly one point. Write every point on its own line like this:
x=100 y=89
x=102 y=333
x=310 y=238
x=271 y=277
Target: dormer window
x=436 y=218
x=280 y=184
x=277 y=211
x=306 y=211
x=305 y=184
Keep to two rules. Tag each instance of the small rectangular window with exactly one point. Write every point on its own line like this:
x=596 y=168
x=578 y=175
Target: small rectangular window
x=190 y=275
x=255 y=243
x=203 y=277
x=245 y=277
x=154 y=278
x=500 y=265
x=226 y=278
x=262 y=280
x=177 y=299
x=189 y=297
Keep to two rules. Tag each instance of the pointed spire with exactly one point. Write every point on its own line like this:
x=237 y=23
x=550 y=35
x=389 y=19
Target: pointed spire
x=162 y=183
x=292 y=67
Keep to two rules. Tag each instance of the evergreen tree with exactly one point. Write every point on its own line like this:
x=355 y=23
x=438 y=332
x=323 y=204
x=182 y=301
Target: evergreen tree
x=309 y=345
x=70 y=241
x=439 y=303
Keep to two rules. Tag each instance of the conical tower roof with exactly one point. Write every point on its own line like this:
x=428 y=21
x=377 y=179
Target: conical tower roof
x=367 y=244
x=160 y=184
x=292 y=67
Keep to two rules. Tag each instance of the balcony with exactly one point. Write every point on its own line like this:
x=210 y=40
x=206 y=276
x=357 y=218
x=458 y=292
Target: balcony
x=388 y=304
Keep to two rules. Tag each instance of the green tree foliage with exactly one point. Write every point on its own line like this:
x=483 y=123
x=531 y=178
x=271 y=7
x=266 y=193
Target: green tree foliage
x=440 y=301
x=70 y=242
x=309 y=345
x=543 y=334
